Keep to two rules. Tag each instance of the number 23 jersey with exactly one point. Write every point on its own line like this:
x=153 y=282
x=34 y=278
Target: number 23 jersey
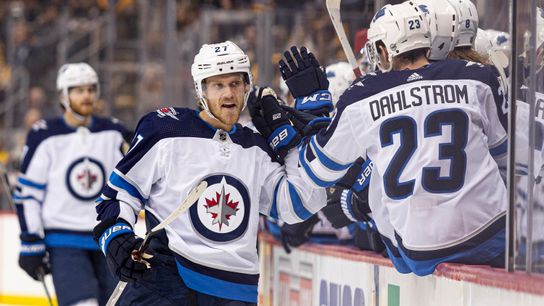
x=436 y=136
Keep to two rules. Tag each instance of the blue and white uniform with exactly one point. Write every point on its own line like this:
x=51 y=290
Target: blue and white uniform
x=437 y=136
x=215 y=242
x=63 y=171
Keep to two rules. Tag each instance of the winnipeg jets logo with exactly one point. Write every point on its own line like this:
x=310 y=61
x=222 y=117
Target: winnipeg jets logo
x=222 y=212
x=167 y=111
x=85 y=178
x=221 y=208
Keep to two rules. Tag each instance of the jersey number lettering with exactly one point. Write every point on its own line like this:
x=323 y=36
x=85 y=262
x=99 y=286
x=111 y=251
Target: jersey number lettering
x=454 y=151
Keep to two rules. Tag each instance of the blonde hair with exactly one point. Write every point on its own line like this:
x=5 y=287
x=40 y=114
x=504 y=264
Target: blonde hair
x=469 y=54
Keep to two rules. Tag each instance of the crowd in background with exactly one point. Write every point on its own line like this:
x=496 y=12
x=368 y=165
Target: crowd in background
x=33 y=40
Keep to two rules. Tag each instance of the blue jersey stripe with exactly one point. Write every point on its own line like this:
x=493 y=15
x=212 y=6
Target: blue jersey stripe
x=29 y=183
x=319 y=182
x=296 y=202
x=325 y=160
x=120 y=182
x=500 y=149
x=216 y=287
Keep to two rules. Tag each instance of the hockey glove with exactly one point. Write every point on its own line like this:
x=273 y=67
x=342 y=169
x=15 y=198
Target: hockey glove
x=307 y=81
x=295 y=235
x=273 y=124
x=33 y=258
x=343 y=208
x=118 y=242
x=366 y=237
x=348 y=202
x=306 y=123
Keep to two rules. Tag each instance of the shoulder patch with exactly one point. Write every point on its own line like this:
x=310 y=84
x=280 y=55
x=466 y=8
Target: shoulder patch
x=167 y=112
x=39 y=125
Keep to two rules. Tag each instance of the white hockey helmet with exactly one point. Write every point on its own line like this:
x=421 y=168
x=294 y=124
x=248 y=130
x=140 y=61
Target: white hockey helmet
x=72 y=75
x=218 y=59
x=442 y=19
x=401 y=27
x=340 y=76
x=468 y=22
x=483 y=43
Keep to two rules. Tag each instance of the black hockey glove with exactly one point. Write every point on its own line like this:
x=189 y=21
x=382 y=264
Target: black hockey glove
x=366 y=237
x=295 y=235
x=307 y=81
x=117 y=241
x=348 y=201
x=273 y=124
x=343 y=208
x=306 y=123
x=33 y=258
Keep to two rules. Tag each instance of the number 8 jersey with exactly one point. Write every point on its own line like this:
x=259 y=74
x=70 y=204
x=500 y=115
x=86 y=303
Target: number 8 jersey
x=437 y=137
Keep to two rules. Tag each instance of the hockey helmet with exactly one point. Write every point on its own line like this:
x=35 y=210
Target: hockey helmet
x=442 y=20
x=401 y=27
x=218 y=59
x=340 y=76
x=468 y=22
x=72 y=75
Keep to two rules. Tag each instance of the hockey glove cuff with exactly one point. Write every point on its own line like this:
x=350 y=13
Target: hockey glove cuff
x=117 y=241
x=33 y=257
x=318 y=103
x=305 y=123
x=302 y=72
x=273 y=123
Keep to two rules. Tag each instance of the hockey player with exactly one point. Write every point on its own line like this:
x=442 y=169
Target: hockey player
x=432 y=132
x=208 y=256
x=63 y=170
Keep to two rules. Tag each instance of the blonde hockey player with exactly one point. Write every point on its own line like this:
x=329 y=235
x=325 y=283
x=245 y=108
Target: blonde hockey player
x=208 y=256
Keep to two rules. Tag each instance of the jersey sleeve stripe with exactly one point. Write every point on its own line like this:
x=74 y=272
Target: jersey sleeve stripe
x=325 y=160
x=274 y=209
x=296 y=202
x=500 y=149
x=315 y=179
x=119 y=182
x=29 y=183
x=19 y=199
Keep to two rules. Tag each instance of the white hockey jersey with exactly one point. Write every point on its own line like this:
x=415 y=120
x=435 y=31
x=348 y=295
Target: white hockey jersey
x=63 y=171
x=215 y=242
x=433 y=134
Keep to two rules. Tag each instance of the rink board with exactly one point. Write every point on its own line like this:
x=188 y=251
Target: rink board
x=341 y=276
x=324 y=276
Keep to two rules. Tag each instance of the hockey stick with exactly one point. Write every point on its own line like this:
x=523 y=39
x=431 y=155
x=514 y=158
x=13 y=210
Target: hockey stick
x=333 y=7
x=138 y=255
x=41 y=278
x=5 y=184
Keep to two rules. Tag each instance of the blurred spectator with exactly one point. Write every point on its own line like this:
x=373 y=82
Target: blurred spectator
x=31 y=116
